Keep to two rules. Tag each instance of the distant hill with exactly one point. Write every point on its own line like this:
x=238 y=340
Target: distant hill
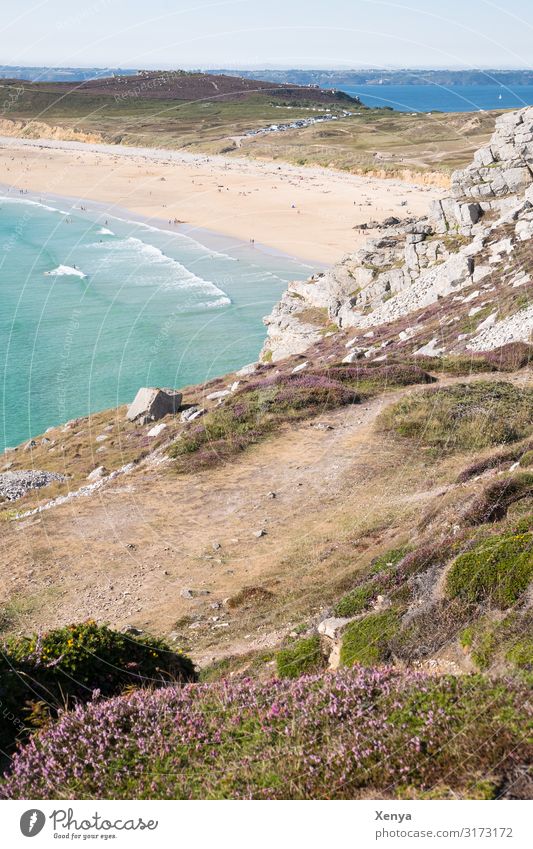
x=46 y=74
x=377 y=76
x=192 y=86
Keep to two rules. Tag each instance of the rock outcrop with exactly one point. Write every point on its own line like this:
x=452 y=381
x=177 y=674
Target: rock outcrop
x=472 y=238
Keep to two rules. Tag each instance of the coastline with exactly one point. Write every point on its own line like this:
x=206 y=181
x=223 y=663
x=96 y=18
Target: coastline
x=306 y=213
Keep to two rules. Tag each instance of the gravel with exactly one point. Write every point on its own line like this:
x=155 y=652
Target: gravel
x=14 y=485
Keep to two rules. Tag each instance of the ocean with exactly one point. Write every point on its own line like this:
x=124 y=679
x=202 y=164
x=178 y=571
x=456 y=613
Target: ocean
x=433 y=98
x=95 y=306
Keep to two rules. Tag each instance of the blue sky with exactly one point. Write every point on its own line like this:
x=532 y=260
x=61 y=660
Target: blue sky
x=315 y=33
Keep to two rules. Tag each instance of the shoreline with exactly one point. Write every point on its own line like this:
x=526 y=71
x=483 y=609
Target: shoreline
x=210 y=239
x=306 y=213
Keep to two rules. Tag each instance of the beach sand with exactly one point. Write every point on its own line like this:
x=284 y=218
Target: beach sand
x=309 y=213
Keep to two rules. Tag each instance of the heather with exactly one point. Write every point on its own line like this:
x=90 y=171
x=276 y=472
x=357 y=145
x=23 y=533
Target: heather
x=41 y=674
x=466 y=416
x=355 y=733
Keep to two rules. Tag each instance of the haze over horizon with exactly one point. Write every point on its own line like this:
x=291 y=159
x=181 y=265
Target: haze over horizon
x=246 y=34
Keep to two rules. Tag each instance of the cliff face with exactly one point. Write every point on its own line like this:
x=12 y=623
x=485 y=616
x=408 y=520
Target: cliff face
x=471 y=249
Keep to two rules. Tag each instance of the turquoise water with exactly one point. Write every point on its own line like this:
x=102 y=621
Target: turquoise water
x=93 y=307
x=429 y=98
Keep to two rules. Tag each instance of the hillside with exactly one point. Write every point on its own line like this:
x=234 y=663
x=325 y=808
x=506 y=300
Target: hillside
x=221 y=114
x=188 y=85
x=350 y=515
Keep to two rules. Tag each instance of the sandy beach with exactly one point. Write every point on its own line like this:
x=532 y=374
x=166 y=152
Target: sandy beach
x=309 y=213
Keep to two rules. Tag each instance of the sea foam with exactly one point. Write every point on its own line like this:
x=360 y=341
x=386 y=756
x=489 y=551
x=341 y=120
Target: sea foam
x=65 y=271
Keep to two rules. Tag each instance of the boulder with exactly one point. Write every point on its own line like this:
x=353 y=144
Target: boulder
x=333 y=627
x=152 y=403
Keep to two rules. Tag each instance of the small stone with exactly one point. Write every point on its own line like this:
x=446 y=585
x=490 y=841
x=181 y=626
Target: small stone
x=215 y=546
x=97 y=473
x=260 y=533
x=218 y=396
x=156 y=430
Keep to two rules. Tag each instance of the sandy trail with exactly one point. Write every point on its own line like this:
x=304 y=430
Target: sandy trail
x=126 y=554
x=308 y=213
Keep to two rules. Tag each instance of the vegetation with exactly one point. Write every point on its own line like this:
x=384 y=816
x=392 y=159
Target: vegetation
x=366 y=641
x=264 y=406
x=508 y=640
x=496 y=571
x=357 y=733
x=41 y=674
x=302 y=657
x=495 y=499
x=466 y=416
x=416 y=143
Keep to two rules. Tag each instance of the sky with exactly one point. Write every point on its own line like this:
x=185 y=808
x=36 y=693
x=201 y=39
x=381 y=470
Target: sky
x=260 y=33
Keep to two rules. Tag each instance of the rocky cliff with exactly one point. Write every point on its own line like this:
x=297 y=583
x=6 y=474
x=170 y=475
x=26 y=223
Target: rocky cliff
x=471 y=256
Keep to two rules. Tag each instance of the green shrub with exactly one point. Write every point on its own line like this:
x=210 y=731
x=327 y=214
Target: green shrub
x=96 y=657
x=366 y=641
x=388 y=560
x=527 y=459
x=521 y=654
x=355 y=601
x=497 y=571
x=379 y=577
x=463 y=417
x=302 y=657
x=505 y=641
x=43 y=673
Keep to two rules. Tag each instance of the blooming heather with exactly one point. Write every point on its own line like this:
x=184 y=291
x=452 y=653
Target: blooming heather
x=340 y=735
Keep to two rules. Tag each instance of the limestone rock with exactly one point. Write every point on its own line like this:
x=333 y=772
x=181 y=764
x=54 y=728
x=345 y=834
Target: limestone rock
x=152 y=403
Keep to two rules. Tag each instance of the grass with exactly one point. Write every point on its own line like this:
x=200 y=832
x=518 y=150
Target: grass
x=497 y=571
x=508 y=640
x=255 y=412
x=463 y=417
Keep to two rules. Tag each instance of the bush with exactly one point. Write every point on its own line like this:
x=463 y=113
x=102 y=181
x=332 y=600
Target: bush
x=69 y=664
x=501 y=641
x=303 y=656
x=356 y=600
x=526 y=459
x=511 y=357
x=463 y=417
x=429 y=629
x=494 y=501
x=508 y=455
x=366 y=641
x=497 y=571
x=371 y=377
